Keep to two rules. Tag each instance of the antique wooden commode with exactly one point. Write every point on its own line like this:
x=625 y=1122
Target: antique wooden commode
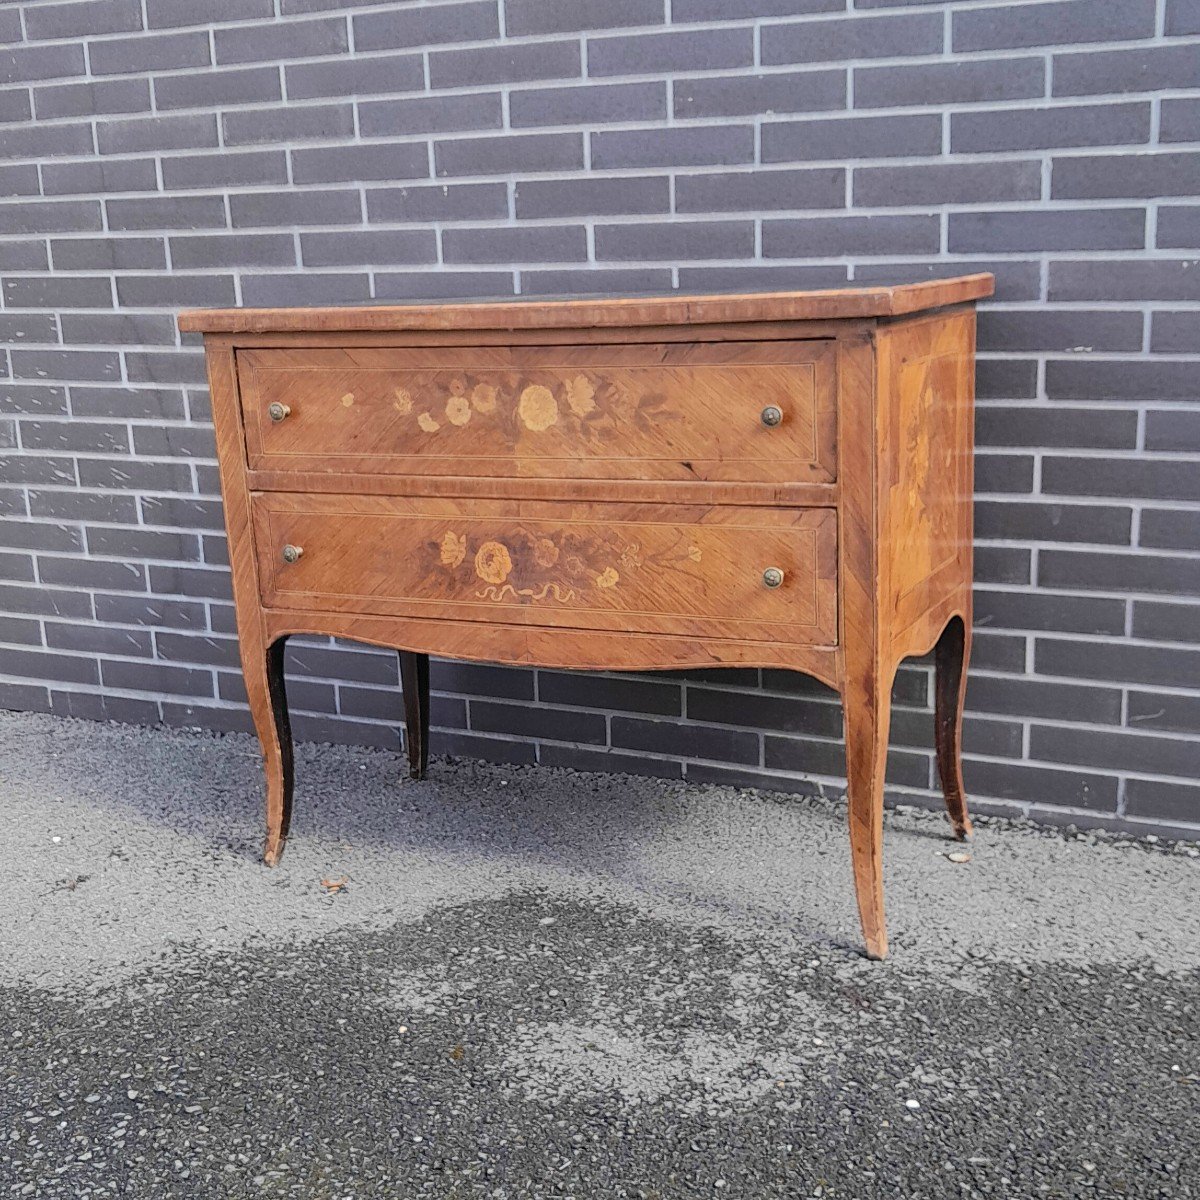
x=776 y=480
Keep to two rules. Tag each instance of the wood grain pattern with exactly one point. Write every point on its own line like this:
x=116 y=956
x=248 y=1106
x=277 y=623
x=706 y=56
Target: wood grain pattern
x=261 y=652
x=775 y=495
x=866 y=696
x=641 y=568
x=831 y=304
x=927 y=373
x=671 y=411
x=550 y=646
x=601 y=499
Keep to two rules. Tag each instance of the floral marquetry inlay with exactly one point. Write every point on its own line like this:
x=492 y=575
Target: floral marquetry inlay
x=529 y=566
x=651 y=411
x=772 y=482
x=518 y=404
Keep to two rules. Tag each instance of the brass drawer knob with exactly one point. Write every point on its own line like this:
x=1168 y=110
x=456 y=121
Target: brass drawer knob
x=771 y=415
x=277 y=411
x=773 y=577
x=292 y=553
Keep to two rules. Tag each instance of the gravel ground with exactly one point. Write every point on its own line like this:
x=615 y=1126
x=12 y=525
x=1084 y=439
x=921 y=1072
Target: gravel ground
x=539 y=983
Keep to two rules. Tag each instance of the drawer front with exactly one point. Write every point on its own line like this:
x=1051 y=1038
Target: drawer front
x=691 y=570
x=671 y=411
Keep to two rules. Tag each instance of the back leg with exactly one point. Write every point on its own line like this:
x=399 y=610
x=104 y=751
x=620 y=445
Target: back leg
x=414 y=683
x=951 y=656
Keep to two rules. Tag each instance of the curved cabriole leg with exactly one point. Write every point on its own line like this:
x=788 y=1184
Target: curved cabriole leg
x=414 y=684
x=268 y=707
x=868 y=707
x=951 y=656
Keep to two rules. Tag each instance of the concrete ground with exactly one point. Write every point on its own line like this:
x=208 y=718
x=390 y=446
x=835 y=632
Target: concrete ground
x=537 y=983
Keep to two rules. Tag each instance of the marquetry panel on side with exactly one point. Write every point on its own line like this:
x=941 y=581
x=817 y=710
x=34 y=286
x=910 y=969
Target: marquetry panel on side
x=674 y=411
x=926 y=429
x=687 y=570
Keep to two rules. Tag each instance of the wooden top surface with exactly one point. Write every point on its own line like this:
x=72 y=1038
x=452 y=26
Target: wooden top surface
x=826 y=305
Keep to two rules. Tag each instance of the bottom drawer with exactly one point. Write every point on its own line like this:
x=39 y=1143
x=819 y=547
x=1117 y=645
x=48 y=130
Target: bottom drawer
x=674 y=569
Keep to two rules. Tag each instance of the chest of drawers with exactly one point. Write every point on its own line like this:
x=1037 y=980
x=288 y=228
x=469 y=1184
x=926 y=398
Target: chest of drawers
x=775 y=480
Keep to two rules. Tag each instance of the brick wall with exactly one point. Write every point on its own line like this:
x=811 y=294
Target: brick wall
x=158 y=154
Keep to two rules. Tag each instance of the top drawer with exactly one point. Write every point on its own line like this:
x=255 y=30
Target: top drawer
x=737 y=411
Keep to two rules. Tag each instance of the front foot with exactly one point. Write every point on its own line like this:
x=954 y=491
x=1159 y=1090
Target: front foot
x=273 y=850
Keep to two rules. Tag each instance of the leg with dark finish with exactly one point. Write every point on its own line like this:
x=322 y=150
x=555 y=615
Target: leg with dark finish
x=414 y=683
x=951 y=656
x=268 y=707
x=868 y=707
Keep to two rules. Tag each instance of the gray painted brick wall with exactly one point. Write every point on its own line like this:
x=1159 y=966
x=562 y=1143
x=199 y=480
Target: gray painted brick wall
x=156 y=154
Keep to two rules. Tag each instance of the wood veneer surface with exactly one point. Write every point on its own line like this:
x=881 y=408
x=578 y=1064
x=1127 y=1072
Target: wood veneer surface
x=780 y=480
